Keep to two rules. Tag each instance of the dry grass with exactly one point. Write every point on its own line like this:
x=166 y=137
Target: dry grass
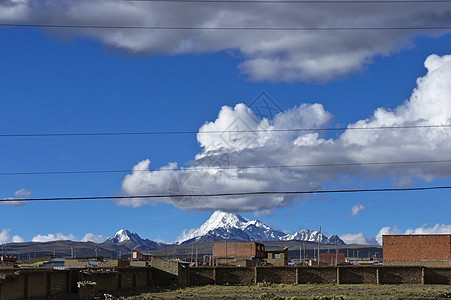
x=307 y=291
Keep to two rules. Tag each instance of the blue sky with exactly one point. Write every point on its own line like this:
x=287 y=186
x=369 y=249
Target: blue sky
x=57 y=82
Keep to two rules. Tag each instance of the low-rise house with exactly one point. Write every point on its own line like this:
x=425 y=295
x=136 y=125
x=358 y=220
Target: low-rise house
x=276 y=256
x=239 y=254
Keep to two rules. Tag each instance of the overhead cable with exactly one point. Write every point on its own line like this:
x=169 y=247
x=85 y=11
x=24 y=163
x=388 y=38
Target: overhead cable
x=48 y=134
x=294 y=28
x=202 y=168
x=230 y=194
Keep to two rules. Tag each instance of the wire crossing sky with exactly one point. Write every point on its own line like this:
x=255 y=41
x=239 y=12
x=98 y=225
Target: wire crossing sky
x=300 y=113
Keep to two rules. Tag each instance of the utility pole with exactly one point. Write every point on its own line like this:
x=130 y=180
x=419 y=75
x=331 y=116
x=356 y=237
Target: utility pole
x=97 y=251
x=226 y=251
x=305 y=258
x=192 y=252
x=196 y=256
x=336 y=252
x=71 y=252
x=319 y=241
x=300 y=254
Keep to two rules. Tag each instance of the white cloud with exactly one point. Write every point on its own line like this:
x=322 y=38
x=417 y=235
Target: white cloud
x=5 y=237
x=430 y=104
x=386 y=231
x=358 y=238
x=54 y=237
x=267 y=55
x=19 y=194
x=89 y=237
x=356 y=209
x=22 y=193
x=436 y=229
x=96 y=238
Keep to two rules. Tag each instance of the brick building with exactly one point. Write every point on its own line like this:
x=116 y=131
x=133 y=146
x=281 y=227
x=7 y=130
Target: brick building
x=239 y=254
x=239 y=250
x=432 y=250
x=332 y=259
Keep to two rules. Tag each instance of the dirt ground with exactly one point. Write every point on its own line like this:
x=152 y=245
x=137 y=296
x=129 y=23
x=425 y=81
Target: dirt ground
x=284 y=291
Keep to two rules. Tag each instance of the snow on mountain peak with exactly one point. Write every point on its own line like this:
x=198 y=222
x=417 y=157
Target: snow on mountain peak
x=223 y=225
x=124 y=235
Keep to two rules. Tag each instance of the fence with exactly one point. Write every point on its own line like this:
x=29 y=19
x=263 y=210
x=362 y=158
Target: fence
x=23 y=284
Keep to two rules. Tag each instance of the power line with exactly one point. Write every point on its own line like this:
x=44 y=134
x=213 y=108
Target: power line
x=296 y=1
x=231 y=194
x=196 y=168
x=217 y=131
x=80 y=26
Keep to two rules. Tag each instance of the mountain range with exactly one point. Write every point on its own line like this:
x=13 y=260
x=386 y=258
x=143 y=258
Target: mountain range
x=222 y=225
x=219 y=226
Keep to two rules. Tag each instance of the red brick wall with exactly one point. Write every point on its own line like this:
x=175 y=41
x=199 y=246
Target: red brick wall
x=329 y=258
x=416 y=247
x=241 y=250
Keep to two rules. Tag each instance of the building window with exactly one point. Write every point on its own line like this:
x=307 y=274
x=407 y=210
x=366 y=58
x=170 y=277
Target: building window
x=277 y=255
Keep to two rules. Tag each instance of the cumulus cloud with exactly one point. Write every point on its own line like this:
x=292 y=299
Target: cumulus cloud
x=362 y=239
x=429 y=104
x=266 y=55
x=89 y=237
x=424 y=229
x=5 y=237
x=386 y=231
x=436 y=229
x=53 y=237
x=358 y=238
x=96 y=238
x=356 y=209
x=19 y=194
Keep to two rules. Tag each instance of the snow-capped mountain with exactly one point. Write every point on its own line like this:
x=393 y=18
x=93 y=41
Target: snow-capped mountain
x=222 y=225
x=313 y=236
x=124 y=235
